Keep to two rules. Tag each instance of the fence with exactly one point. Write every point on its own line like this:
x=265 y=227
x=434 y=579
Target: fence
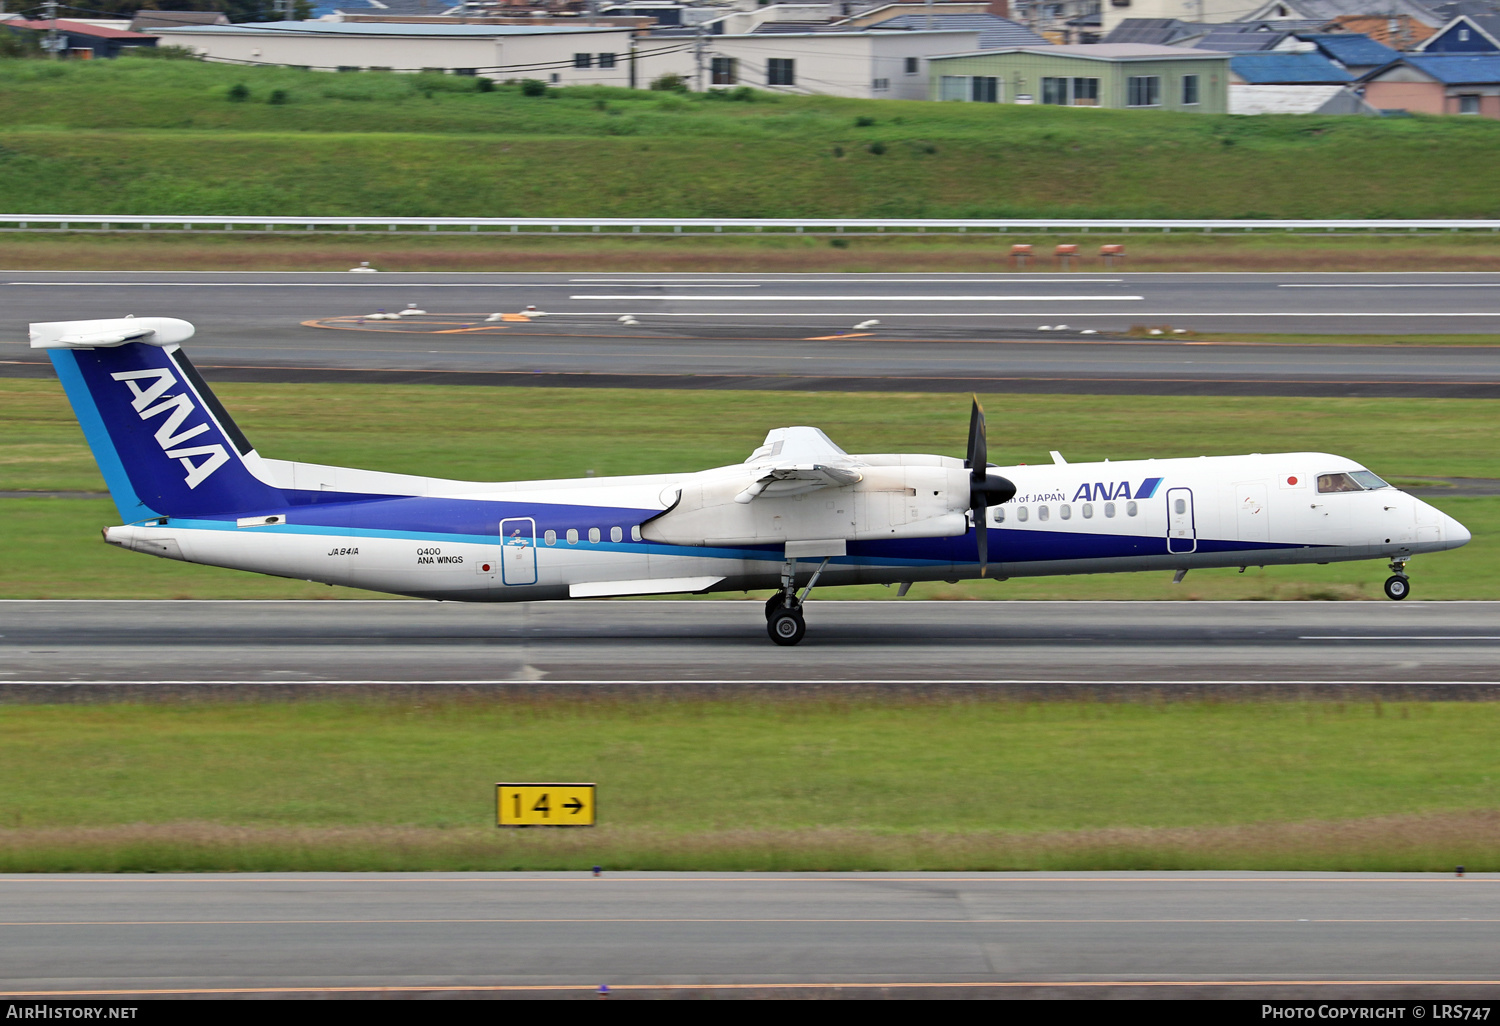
x=704 y=225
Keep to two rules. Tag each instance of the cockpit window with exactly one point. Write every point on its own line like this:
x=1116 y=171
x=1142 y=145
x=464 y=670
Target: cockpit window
x=1354 y=481
x=1367 y=479
x=1338 y=483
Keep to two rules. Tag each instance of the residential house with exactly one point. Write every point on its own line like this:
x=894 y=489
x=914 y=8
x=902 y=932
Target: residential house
x=1437 y=84
x=145 y=21
x=1117 y=75
x=1291 y=83
x=83 y=41
x=1467 y=33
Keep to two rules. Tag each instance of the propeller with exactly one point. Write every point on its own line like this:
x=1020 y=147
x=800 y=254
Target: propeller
x=985 y=489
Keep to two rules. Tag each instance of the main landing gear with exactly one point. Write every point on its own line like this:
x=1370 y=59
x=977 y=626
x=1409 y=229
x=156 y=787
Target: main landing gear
x=784 y=621
x=1399 y=586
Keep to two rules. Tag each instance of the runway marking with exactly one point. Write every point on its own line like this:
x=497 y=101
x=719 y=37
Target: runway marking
x=869 y=299
x=863 y=313
x=585 y=879
x=1398 y=637
x=1401 y=285
x=853 y=279
x=829 y=681
x=832 y=338
x=592 y=988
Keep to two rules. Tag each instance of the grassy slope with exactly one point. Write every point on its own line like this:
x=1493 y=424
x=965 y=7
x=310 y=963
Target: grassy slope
x=739 y=784
x=136 y=136
x=452 y=431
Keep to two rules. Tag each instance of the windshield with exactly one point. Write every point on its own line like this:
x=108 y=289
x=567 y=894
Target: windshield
x=1368 y=479
x=1354 y=481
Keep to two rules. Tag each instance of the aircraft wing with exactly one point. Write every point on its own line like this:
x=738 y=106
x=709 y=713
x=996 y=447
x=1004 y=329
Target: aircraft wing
x=797 y=445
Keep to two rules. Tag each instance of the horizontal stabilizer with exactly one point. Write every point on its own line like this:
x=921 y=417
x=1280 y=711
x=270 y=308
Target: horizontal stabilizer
x=156 y=331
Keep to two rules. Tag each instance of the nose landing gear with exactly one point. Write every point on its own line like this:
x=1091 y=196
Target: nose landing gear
x=1398 y=586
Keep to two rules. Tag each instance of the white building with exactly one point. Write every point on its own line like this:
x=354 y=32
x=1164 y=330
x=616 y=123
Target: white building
x=869 y=64
x=563 y=55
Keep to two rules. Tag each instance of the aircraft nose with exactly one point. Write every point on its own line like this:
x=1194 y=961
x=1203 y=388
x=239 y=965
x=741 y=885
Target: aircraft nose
x=1454 y=533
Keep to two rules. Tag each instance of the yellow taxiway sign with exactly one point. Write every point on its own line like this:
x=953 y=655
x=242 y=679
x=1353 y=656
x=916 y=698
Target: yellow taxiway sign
x=544 y=804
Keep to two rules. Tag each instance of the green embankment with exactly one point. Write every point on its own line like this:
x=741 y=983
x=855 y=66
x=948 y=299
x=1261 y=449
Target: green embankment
x=150 y=136
x=53 y=548
x=733 y=785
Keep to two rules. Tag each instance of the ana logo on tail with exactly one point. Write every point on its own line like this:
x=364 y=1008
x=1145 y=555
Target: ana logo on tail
x=170 y=435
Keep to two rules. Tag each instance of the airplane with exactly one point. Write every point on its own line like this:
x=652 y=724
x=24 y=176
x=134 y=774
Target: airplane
x=797 y=512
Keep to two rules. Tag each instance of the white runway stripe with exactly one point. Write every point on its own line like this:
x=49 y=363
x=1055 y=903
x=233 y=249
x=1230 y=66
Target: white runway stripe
x=761 y=298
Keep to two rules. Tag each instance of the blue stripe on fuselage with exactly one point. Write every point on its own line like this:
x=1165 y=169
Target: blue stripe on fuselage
x=456 y=520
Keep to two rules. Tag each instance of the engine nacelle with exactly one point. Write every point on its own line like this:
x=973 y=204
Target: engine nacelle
x=888 y=502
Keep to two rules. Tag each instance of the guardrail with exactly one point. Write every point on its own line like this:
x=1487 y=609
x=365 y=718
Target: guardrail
x=705 y=225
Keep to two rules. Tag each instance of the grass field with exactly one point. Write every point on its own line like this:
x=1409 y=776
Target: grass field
x=143 y=136
x=55 y=552
x=734 y=785
x=1146 y=251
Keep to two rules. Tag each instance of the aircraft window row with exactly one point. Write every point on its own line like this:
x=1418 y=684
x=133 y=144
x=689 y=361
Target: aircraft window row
x=616 y=534
x=1065 y=511
x=1354 y=481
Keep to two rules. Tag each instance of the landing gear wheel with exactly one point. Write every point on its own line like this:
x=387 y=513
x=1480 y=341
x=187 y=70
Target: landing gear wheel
x=786 y=627
x=776 y=603
x=1397 y=587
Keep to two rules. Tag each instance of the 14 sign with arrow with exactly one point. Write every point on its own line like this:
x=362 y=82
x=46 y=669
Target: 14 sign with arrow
x=544 y=805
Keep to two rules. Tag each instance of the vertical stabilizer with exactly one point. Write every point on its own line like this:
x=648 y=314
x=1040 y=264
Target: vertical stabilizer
x=164 y=444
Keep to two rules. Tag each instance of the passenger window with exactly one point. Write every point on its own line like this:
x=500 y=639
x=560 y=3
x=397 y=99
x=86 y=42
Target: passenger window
x=1109 y=509
x=999 y=514
x=1066 y=512
x=1088 y=511
x=1131 y=509
x=593 y=535
x=1337 y=483
x=550 y=537
x=635 y=533
x=1021 y=514
x=572 y=536
x=1041 y=512
x=615 y=534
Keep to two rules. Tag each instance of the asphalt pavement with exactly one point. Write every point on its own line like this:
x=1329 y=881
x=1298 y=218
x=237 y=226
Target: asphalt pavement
x=995 y=333
x=1317 y=935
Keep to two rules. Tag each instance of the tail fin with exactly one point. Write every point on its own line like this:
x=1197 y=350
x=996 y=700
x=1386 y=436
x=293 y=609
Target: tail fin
x=165 y=445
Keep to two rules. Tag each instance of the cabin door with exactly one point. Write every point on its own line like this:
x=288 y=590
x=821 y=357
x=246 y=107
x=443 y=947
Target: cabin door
x=518 y=551
x=1182 y=529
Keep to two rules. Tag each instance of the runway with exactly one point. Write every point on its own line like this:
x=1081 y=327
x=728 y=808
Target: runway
x=1261 y=935
x=111 y=650
x=823 y=332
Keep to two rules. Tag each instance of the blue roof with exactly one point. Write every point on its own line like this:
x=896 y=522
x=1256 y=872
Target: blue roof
x=358 y=28
x=1351 y=49
x=1480 y=69
x=1288 y=69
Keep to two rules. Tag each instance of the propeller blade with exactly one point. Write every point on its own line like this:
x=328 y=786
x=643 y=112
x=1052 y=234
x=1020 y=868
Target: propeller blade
x=978 y=450
x=981 y=538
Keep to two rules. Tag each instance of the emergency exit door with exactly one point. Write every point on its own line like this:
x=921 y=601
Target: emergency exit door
x=518 y=551
x=1182 y=529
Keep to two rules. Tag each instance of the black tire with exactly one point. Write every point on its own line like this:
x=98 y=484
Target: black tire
x=1397 y=588
x=787 y=627
x=774 y=605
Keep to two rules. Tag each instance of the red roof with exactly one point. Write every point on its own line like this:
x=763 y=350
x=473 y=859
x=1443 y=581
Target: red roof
x=78 y=28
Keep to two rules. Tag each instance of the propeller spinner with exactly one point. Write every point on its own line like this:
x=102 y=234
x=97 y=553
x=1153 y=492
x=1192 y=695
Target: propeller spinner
x=985 y=489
